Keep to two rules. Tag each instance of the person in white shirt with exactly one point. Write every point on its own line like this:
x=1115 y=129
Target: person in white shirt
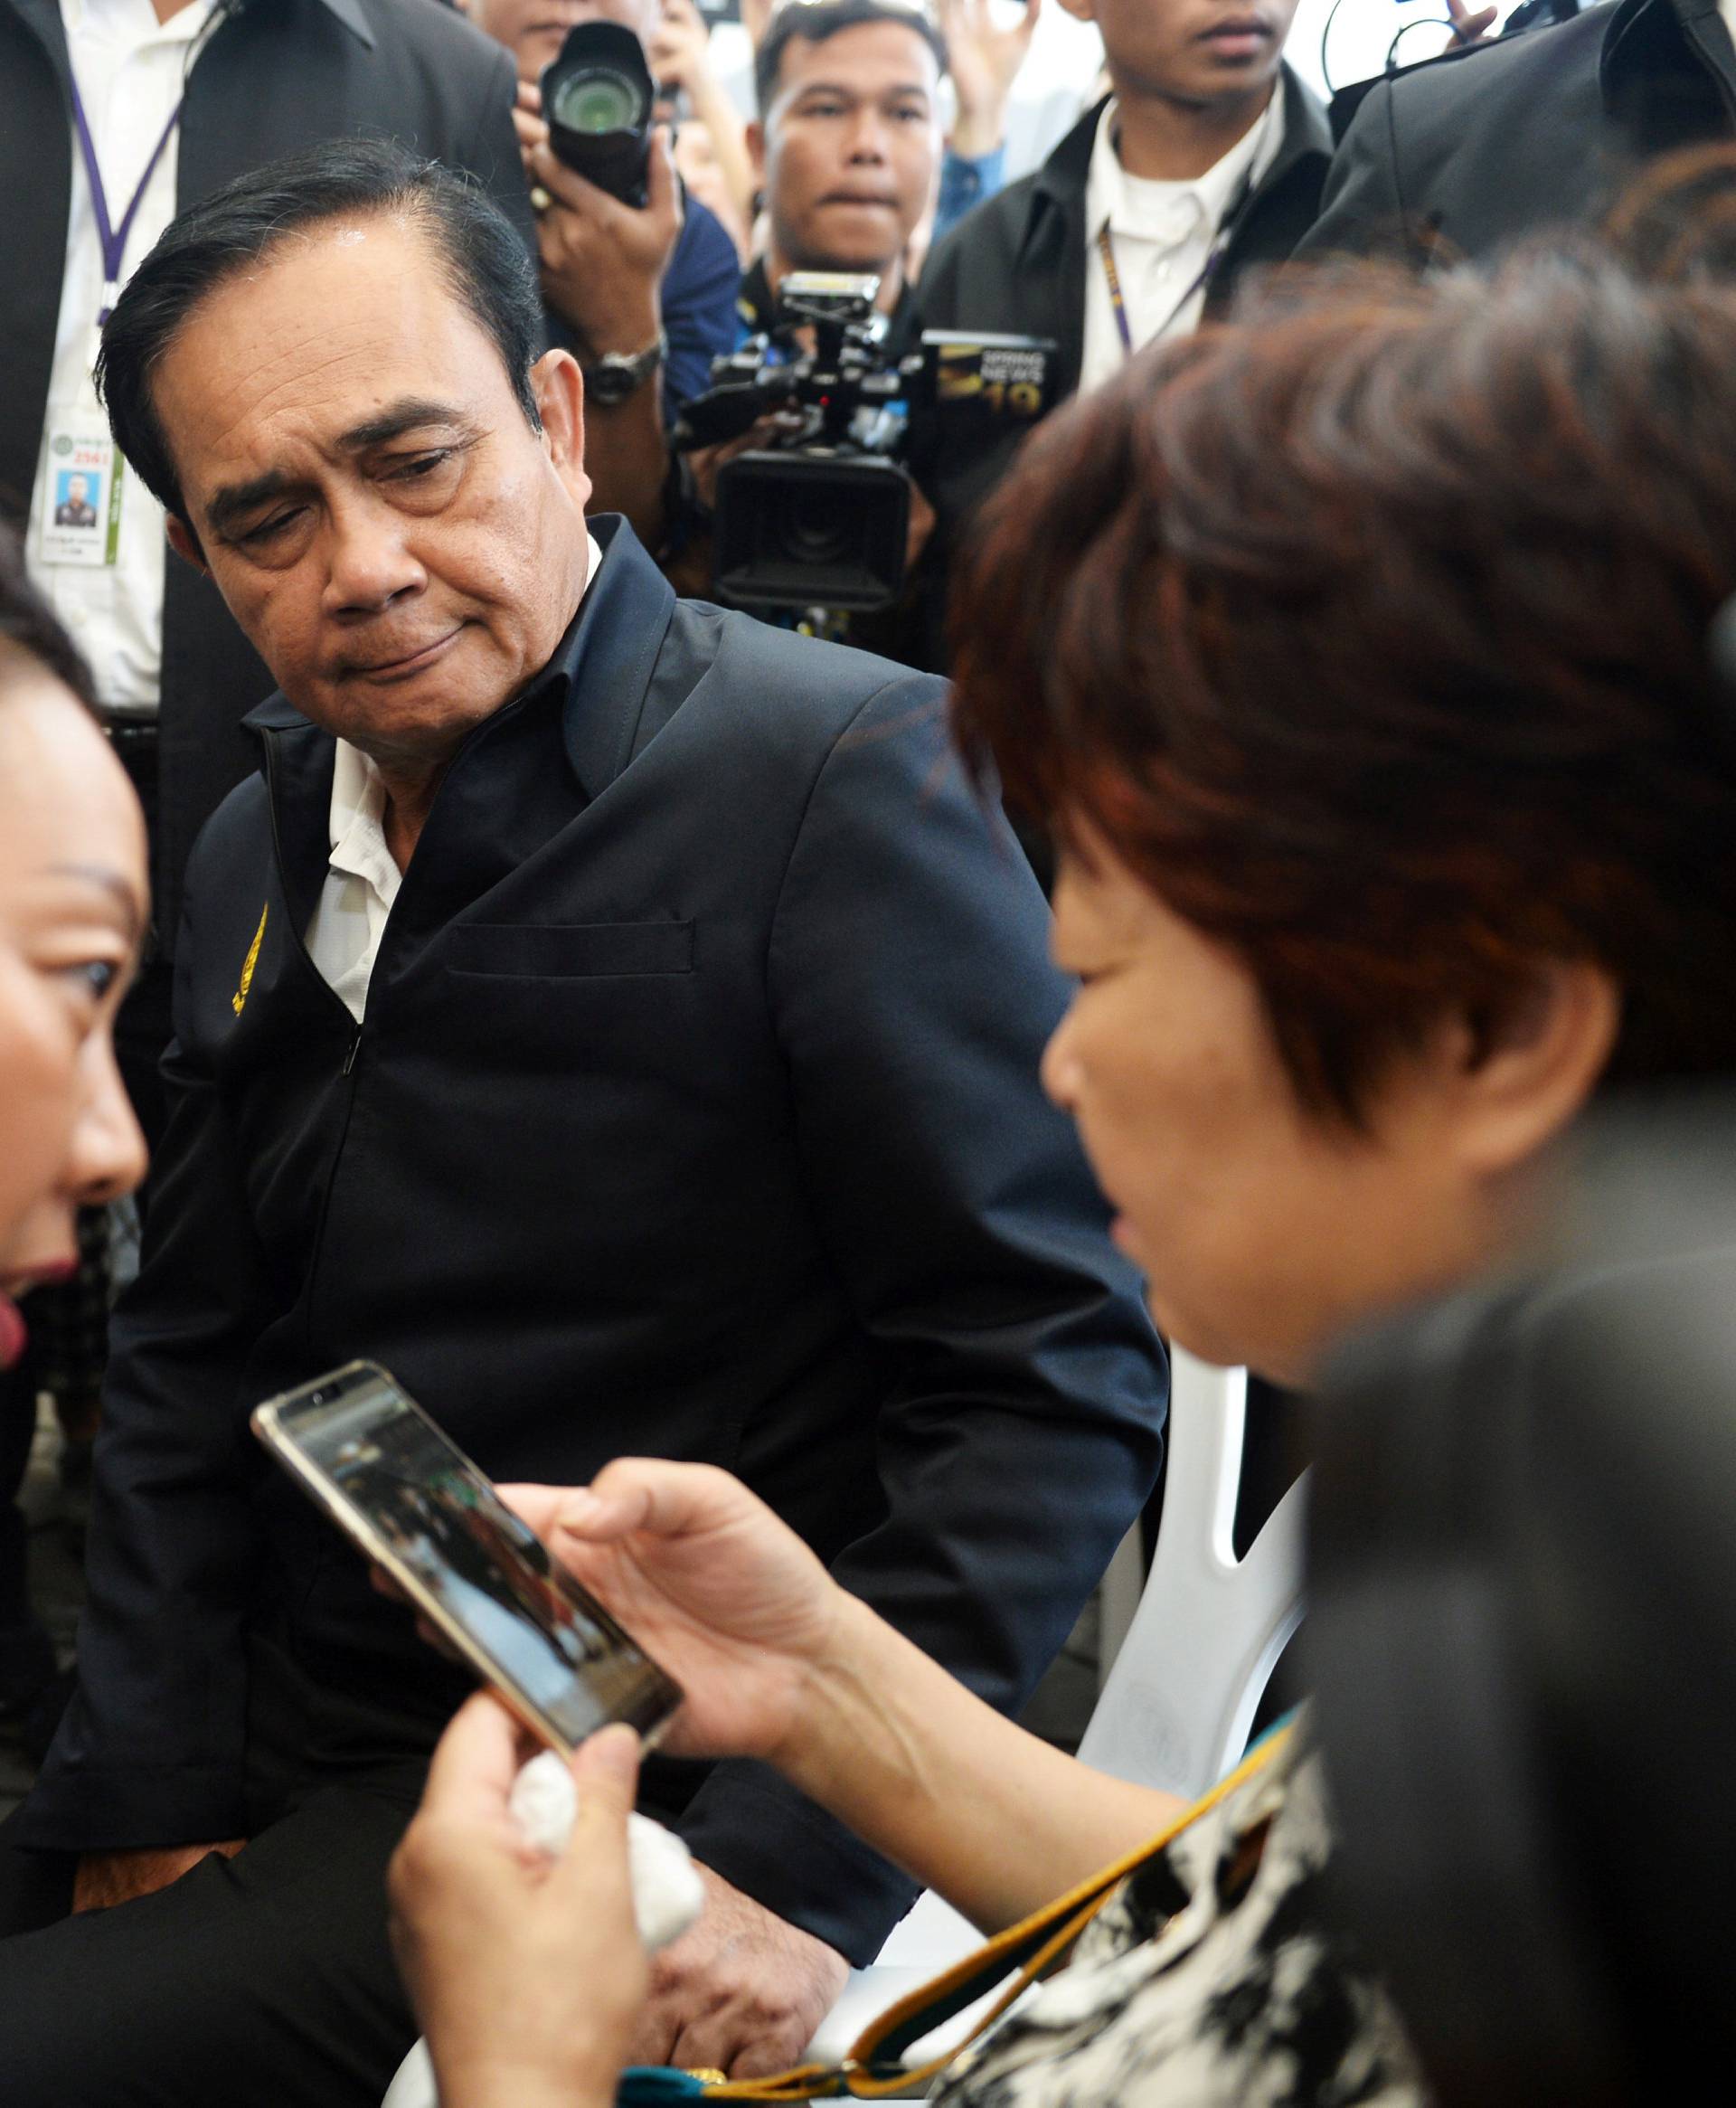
x=1206 y=158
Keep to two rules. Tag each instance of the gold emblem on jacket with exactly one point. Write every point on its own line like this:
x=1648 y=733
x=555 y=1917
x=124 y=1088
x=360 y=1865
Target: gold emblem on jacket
x=237 y=1001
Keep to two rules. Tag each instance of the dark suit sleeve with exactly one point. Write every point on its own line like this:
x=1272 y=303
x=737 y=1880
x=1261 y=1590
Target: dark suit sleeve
x=1361 y=209
x=1020 y=1428
x=151 y=1749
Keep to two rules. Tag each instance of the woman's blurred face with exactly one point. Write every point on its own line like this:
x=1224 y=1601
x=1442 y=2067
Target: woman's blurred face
x=72 y=908
x=1262 y=1230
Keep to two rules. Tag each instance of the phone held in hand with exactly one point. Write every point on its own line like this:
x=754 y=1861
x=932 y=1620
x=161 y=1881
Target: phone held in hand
x=363 y=1450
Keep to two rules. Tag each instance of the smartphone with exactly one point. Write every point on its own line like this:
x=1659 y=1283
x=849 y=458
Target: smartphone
x=368 y=1455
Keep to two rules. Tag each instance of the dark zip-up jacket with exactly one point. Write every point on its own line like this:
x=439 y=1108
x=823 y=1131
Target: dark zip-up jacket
x=695 y=1113
x=1461 y=156
x=274 y=76
x=1017 y=263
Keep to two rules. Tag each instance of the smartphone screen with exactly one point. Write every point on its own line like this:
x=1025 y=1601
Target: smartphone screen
x=417 y=1505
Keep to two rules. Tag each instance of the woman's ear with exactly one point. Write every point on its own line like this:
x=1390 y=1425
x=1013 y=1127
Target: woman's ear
x=1525 y=1077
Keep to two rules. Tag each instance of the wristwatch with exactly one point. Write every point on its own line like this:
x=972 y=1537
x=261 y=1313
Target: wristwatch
x=617 y=374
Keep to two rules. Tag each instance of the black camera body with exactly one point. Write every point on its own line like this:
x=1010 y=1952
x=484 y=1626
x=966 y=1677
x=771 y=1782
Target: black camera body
x=598 y=97
x=820 y=518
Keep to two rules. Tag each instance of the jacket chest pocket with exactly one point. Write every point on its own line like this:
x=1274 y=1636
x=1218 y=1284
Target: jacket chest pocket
x=570 y=951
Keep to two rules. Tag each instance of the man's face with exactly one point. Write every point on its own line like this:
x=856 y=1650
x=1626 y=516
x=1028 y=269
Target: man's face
x=534 y=31
x=850 y=146
x=404 y=550
x=77 y=489
x=1192 y=51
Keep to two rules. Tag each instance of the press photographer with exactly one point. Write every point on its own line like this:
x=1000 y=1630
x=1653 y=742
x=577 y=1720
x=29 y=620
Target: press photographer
x=848 y=145
x=640 y=287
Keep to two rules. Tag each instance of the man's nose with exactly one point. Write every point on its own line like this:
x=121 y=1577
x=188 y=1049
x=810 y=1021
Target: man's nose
x=370 y=562
x=868 y=137
x=109 y=1155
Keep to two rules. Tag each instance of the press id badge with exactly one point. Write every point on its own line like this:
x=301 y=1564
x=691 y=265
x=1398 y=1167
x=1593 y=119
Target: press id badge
x=82 y=516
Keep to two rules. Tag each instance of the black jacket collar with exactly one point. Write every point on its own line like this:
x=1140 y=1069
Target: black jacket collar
x=1064 y=176
x=612 y=643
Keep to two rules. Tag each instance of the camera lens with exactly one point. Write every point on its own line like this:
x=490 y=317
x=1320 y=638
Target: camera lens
x=597 y=101
x=814 y=532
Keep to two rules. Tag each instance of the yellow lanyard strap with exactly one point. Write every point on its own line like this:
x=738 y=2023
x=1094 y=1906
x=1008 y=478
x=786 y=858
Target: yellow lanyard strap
x=872 y=2070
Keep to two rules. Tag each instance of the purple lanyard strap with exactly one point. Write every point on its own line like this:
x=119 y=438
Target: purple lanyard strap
x=114 y=239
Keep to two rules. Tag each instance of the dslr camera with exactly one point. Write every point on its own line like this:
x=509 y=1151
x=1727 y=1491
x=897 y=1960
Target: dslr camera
x=820 y=517
x=598 y=96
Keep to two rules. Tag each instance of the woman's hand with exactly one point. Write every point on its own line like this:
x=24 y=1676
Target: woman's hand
x=724 y=1596
x=527 y=1972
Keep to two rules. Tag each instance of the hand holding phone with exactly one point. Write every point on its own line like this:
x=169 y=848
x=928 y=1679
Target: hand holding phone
x=416 y=1506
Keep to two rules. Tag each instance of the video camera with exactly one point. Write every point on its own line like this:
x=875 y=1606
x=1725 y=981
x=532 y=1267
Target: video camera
x=820 y=518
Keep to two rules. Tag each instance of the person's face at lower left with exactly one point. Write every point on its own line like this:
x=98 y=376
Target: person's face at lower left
x=1263 y=1228
x=400 y=545
x=72 y=908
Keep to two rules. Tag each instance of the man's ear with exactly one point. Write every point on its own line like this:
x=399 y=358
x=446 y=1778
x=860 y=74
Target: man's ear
x=1526 y=1076
x=558 y=389
x=756 y=138
x=185 y=544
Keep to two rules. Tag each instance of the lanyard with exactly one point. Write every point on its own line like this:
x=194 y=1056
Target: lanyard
x=875 y=2069
x=1202 y=276
x=1207 y=272
x=112 y=237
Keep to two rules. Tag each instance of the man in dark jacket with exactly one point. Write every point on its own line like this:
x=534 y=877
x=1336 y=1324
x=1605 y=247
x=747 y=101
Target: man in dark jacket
x=1207 y=159
x=1458 y=156
x=261 y=77
x=617 y=1017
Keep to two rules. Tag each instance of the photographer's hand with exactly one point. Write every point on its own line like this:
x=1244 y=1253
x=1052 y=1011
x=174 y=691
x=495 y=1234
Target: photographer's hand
x=602 y=260
x=603 y=263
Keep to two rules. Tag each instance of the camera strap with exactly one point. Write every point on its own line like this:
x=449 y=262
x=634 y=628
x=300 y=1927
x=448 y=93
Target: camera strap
x=874 y=2068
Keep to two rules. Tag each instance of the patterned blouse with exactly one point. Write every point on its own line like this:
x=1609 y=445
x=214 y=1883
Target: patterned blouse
x=1208 y=1980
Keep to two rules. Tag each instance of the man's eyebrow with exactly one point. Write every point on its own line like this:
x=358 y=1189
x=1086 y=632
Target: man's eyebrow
x=853 y=93
x=407 y=414
x=235 y=500
x=232 y=501
x=112 y=883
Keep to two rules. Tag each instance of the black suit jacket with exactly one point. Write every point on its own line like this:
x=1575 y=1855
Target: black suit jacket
x=695 y=1113
x=1463 y=155
x=1017 y=263
x=277 y=75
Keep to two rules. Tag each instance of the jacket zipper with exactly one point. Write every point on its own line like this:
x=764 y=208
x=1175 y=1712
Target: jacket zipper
x=350 y=1053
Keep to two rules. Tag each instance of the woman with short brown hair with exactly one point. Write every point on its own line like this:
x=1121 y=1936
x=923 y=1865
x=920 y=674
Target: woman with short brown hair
x=1358 y=658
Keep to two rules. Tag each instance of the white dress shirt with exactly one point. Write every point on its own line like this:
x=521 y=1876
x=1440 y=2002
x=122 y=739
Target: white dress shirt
x=1161 y=233
x=361 y=880
x=130 y=70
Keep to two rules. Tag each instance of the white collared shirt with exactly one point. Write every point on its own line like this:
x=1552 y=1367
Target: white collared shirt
x=130 y=70
x=362 y=878
x=1161 y=233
